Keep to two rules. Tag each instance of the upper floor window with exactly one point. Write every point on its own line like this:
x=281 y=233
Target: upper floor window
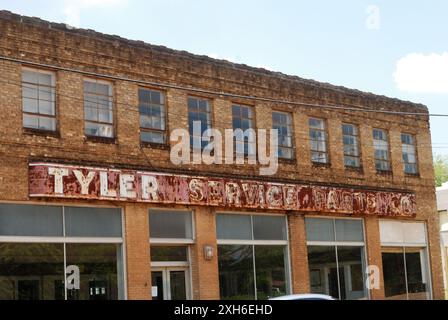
x=242 y=118
x=318 y=140
x=151 y=105
x=98 y=111
x=38 y=100
x=199 y=112
x=350 y=137
x=282 y=121
x=409 y=154
x=381 y=148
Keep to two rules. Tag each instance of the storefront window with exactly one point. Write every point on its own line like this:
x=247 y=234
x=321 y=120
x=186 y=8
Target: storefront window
x=31 y=271
x=97 y=265
x=236 y=272
x=270 y=271
x=92 y=222
x=336 y=268
x=252 y=256
x=30 y=220
x=47 y=260
x=405 y=263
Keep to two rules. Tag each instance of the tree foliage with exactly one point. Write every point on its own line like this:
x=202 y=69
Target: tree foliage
x=441 y=169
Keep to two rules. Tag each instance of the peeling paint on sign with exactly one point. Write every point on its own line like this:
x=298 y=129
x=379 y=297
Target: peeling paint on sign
x=63 y=181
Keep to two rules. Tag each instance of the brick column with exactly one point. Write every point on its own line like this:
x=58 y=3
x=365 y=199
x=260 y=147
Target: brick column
x=298 y=254
x=205 y=272
x=373 y=251
x=137 y=252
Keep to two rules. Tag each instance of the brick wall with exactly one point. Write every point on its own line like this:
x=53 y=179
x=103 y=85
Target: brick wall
x=37 y=41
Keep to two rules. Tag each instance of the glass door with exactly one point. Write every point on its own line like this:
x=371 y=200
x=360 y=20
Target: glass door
x=170 y=283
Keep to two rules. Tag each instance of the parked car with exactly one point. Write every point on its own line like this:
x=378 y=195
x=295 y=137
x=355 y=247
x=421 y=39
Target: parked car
x=306 y=296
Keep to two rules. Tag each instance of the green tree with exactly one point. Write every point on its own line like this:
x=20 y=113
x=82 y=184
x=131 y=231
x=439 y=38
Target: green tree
x=441 y=169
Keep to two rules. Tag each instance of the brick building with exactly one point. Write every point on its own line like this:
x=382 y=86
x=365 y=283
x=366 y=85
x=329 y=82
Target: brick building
x=90 y=198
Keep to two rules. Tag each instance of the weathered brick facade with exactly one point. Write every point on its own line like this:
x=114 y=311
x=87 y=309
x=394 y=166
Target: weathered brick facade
x=75 y=54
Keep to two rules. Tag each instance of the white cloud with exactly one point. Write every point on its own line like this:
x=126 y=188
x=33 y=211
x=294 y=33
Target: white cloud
x=417 y=72
x=72 y=9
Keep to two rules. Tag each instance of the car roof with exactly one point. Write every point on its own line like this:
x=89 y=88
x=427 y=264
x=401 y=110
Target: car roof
x=305 y=296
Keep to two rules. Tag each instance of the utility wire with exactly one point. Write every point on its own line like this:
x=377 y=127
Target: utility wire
x=134 y=108
x=226 y=94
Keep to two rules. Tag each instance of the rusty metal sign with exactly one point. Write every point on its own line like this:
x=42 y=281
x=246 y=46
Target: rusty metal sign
x=63 y=181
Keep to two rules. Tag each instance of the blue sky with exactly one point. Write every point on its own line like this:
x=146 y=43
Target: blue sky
x=395 y=48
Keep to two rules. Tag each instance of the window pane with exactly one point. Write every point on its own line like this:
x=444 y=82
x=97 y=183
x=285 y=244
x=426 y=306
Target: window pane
x=322 y=269
x=169 y=253
x=46 y=107
x=31 y=271
x=233 y=226
x=30 y=91
x=30 y=121
x=90 y=113
x=349 y=230
x=105 y=115
x=30 y=220
x=92 y=222
x=417 y=288
x=177 y=285
x=270 y=271
x=46 y=123
x=394 y=275
x=98 y=266
x=236 y=272
x=99 y=130
x=285 y=153
x=30 y=76
x=45 y=79
x=152 y=137
x=98 y=107
x=46 y=93
x=30 y=105
x=38 y=96
x=269 y=228
x=351 y=272
x=319 y=229
x=170 y=224
x=199 y=110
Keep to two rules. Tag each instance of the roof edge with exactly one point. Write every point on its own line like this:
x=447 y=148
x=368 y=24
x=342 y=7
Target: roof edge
x=8 y=15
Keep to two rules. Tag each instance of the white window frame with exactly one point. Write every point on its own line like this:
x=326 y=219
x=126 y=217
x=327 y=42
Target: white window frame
x=414 y=146
x=53 y=85
x=70 y=240
x=336 y=244
x=357 y=144
x=377 y=146
x=426 y=267
x=326 y=140
x=157 y=265
x=164 y=117
x=254 y=243
x=290 y=133
x=111 y=95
